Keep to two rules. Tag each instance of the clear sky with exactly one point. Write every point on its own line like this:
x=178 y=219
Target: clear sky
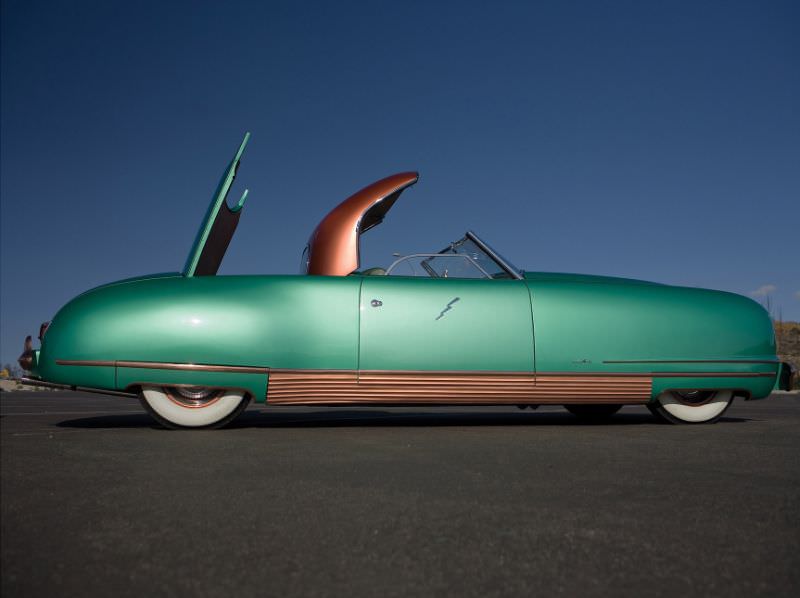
x=655 y=140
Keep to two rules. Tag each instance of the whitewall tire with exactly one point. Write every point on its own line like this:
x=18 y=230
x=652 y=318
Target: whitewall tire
x=193 y=406
x=695 y=407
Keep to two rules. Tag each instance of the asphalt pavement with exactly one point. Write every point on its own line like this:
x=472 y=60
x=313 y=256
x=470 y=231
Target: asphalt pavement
x=397 y=502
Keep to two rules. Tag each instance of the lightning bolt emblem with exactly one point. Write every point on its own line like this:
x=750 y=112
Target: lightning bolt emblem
x=448 y=308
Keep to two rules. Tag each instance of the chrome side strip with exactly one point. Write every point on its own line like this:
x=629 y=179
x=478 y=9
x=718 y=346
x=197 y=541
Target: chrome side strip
x=200 y=367
x=772 y=361
x=159 y=365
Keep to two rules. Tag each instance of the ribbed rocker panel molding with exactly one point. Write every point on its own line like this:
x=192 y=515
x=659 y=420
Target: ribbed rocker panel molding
x=418 y=387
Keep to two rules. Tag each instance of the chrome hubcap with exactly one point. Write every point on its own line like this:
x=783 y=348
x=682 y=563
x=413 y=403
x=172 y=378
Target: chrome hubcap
x=693 y=397
x=193 y=396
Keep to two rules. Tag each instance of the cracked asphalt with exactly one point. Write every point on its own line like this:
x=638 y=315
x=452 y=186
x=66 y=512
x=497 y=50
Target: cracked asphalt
x=397 y=502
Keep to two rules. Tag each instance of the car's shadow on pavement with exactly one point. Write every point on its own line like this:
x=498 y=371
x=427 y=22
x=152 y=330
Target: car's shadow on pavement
x=338 y=418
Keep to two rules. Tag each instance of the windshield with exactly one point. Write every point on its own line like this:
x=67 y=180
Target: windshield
x=435 y=265
x=484 y=256
x=469 y=257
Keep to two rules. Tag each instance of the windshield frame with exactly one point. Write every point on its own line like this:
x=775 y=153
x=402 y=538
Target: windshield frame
x=504 y=264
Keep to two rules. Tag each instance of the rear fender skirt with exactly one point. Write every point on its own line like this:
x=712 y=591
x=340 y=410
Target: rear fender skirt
x=253 y=384
x=130 y=375
x=755 y=385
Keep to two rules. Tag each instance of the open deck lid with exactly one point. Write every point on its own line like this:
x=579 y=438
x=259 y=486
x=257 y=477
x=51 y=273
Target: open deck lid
x=333 y=249
x=218 y=226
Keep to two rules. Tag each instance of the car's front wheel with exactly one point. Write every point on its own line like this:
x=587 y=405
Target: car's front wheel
x=691 y=406
x=193 y=406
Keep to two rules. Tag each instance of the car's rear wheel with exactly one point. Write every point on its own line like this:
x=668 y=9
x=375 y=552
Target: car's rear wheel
x=193 y=406
x=593 y=412
x=691 y=406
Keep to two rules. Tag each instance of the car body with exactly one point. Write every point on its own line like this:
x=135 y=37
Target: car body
x=459 y=326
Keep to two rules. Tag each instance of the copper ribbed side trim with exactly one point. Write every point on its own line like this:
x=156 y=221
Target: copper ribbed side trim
x=160 y=365
x=336 y=387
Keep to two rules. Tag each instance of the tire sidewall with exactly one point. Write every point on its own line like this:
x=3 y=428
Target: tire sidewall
x=171 y=414
x=671 y=409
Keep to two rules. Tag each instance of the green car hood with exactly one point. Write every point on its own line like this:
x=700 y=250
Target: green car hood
x=218 y=226
x=587 y=278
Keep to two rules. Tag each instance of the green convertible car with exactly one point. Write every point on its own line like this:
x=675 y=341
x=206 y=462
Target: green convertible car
x=461 y=326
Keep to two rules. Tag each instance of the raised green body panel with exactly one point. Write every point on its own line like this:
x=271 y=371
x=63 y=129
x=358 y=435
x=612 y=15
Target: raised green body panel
x=445 y=324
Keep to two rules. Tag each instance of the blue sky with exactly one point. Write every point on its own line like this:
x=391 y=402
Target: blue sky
x=655 y=140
